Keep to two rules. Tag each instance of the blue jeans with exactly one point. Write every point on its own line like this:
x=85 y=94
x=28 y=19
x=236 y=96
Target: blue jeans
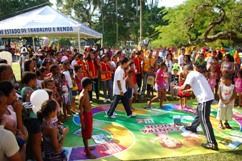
x=108 y=84
x=125 y=101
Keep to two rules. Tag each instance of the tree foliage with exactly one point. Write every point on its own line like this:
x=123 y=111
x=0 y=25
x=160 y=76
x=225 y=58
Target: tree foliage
x=9 y=8
x=202 y=21
x=101 y=15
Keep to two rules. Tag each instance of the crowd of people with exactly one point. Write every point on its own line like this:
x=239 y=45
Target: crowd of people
x=67 y=74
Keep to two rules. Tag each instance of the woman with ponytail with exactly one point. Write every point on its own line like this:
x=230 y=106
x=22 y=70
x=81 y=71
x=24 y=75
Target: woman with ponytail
x=53 y=137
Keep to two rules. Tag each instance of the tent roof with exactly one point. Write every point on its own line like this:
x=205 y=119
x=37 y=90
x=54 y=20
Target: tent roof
x=45 y=21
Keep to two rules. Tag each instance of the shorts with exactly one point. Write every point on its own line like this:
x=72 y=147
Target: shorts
x=74 y=93
x=87 y=118
x=130 y=93
x=225 y=112
x=136 y=88
x=65 y=99
x=159 y=87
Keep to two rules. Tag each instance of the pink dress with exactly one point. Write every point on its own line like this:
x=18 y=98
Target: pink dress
x=212 y=80
x=11 y=119
x=238 y=85
x=160 y=80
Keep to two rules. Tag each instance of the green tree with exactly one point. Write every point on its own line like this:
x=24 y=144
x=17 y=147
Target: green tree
x=201 y=21
x=9 y=8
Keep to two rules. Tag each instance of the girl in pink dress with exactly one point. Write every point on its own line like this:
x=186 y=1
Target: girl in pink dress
x=212 y=78
x=238 y=86
x=160 y=85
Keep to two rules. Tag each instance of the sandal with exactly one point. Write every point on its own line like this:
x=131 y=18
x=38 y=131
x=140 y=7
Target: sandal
x=221 y=126
x=227 y=125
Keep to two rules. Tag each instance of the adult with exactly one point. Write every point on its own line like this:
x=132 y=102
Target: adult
x=237 y=57
x=187 y=60
x=29 y=65
x=83 y=64
x=181 y=58
x=138 y=64
x=168 y=62
x=147 y=63
x=24 y=56
x=227 y=66
x=8 y=144
x=209 y=59
x=158 y=60
x=119 y=91
x=93 y=73
x=199 y=85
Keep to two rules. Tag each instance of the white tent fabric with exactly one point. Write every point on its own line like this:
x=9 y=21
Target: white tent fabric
x=45 y=21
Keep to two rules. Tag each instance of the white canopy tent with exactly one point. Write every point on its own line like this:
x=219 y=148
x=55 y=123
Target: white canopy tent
x=45 y=21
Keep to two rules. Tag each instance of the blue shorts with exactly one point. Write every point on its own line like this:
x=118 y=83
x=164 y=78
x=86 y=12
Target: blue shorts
x=130 y=93
x=74 y=93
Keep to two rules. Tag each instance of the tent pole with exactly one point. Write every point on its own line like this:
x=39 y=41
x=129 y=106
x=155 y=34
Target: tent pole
x=102 y=42
x=79 y=45
x=33 y=43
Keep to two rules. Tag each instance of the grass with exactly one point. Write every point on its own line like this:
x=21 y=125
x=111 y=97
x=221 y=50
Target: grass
x=224 y=156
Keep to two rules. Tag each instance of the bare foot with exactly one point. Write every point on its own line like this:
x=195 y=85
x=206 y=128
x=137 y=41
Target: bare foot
x=91 y=156
x=132 y=109
x=91 y=148
x=180 y=106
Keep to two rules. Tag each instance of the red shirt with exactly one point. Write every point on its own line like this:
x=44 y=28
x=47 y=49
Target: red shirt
x=137 y=62
x=134 y=76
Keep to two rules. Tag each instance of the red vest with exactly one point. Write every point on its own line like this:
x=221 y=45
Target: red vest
x=137 y=62
x=93 y=71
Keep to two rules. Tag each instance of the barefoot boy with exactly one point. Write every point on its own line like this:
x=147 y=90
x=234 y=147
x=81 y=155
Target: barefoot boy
x=130 y=87
x=86 y=115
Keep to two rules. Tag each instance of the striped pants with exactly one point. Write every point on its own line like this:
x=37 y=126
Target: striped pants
x=202 y=116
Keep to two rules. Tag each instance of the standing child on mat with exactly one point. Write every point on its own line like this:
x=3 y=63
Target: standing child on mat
x=174 y=82
x=150 y=81
x=227 y=94
x=160 y=85
x=182 y=94
x=85 y=114
x=130 y=87
x=238 y=86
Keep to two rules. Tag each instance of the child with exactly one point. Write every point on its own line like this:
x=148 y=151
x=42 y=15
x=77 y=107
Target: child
x=74 y=91
x=215 y=63
x=227 y=94
x=65 y=96
x=181 y=94
x=78 y=76
x=130 y=87
x=160 y=85
x=150 y=81
x=41 y=74
x=212 y=78
x=29 y=80
x=53 y=137
x=174 y=82
x=166 y=82
x=238 y=86
x=136 y=88
x=86 y=115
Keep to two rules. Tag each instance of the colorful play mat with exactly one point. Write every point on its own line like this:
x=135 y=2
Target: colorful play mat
x=154 y=133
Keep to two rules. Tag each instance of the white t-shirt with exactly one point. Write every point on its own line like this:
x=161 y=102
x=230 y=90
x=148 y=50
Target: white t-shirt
x=169 y=65
x=68 y=78
x=180 y=61
x=209 y=61
x=119 y=76
x=8 y=144
x=227 y=93
x=200 y=86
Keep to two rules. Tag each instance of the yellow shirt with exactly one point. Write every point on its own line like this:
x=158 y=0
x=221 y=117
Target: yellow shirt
x=148 y=62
